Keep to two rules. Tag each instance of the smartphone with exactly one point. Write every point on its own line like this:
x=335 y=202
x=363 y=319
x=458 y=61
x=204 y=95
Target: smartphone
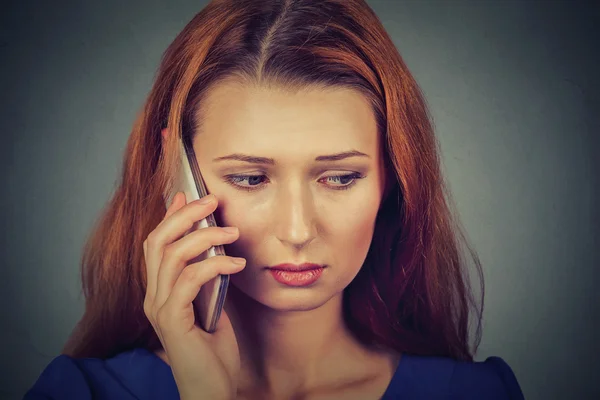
x=209 y=302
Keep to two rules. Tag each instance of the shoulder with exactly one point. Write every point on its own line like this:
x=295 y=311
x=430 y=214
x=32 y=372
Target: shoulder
x=61 y=379
x=493 y=378
x=442 y=377
x=133 y=374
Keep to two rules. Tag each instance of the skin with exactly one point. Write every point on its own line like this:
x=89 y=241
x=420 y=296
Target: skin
x=293 y=341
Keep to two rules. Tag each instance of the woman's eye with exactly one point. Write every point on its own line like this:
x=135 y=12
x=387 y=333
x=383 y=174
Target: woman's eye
x=253 y=182
x=344 y=182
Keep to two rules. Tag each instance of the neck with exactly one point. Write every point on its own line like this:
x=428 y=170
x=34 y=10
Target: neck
x=298 y=348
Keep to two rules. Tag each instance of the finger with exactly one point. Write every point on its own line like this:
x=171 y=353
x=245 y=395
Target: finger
x=170 y=210
x=176 y=204
x=169 y=230
x=185 y=215
x=179 y=254
x=153 y=252
x=191 y=280
x=179 y=200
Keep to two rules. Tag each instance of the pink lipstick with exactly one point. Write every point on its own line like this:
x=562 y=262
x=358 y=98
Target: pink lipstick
x=296 y=275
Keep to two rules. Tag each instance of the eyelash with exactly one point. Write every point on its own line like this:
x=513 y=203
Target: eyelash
x=231 y=179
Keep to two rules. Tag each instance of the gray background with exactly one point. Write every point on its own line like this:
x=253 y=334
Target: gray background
x=515 y=100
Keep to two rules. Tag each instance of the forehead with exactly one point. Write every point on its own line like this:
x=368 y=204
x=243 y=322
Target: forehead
x=255 y=119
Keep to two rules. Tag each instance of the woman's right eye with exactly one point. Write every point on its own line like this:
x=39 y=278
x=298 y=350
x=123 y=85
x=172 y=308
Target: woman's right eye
x=254 y=181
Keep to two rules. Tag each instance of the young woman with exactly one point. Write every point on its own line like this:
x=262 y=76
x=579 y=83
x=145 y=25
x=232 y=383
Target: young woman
x=315 y=143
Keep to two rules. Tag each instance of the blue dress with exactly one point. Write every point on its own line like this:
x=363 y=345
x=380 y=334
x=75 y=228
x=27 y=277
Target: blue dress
x=140 y=374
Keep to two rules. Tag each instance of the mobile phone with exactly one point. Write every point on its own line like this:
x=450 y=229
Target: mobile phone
x=209 y=302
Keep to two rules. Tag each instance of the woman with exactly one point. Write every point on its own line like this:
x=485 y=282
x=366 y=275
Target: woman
x=316 y=146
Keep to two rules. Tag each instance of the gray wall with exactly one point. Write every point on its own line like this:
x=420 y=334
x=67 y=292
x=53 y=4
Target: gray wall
x=515 y=102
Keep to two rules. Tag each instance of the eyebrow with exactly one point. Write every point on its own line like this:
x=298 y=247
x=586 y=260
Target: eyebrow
x=269 y=161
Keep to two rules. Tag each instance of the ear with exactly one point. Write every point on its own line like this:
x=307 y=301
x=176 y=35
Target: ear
x=164 y=133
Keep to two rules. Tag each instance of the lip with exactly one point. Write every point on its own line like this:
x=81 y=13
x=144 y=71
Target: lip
x=297 y=277
x=296 y=267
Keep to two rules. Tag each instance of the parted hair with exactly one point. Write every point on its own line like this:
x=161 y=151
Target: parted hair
x=413 y=292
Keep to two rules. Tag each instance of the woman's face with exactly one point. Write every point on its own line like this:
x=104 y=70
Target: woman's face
x=291 y=204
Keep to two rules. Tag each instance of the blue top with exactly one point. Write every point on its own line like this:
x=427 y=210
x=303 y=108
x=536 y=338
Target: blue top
x=141 y=374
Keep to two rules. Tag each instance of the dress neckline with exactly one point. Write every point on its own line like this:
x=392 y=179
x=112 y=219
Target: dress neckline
x=390 y=388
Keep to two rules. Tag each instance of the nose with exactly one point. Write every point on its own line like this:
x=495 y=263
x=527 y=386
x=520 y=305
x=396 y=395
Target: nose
x=294 y=217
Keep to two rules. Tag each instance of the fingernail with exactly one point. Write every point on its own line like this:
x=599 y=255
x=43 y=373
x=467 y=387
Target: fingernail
x=239 y=261
x=230 y=229
x=207 y=199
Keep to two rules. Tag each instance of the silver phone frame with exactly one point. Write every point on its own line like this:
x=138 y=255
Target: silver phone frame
x=210 y=300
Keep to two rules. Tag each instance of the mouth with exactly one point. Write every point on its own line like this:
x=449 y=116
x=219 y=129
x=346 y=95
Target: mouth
x=288 y=267
x=296 y=275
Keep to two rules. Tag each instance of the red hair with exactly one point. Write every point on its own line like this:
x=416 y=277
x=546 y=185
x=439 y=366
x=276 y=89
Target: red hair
x=412 y=293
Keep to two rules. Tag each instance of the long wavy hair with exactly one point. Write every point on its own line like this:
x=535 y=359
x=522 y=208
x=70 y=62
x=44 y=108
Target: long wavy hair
x=412 y=294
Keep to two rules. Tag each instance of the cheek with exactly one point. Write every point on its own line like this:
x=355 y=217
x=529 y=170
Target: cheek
x=352 y=229
x=250 y=221
x=356 y=233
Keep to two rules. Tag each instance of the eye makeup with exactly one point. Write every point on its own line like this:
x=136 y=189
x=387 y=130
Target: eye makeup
x=235 y=180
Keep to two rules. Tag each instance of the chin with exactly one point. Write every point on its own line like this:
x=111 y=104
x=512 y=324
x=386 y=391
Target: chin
x=281 y=298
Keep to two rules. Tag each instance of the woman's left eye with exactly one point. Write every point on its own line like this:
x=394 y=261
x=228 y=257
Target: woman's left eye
x=346 y=181
x=254 y=181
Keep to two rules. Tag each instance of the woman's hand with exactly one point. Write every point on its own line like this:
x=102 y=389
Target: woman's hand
x=205 y=366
